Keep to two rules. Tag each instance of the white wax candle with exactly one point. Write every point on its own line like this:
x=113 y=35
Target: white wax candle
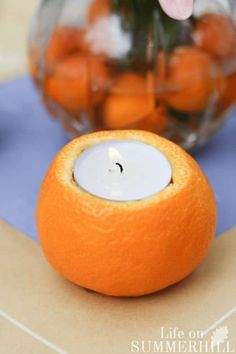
x=122 y=170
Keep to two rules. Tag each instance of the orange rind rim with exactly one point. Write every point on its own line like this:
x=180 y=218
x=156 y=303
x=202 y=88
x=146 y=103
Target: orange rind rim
x=182 y=166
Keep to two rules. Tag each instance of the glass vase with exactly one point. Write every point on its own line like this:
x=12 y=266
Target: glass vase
x=124 y=64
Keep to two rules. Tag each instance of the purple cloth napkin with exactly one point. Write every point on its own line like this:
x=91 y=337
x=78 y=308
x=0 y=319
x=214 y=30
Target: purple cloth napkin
x=29 y=140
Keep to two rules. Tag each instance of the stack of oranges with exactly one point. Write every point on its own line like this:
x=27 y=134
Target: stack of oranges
x=216 y=34
x=185 y=80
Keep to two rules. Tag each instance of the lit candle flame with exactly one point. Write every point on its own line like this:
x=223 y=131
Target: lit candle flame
x=114 y=154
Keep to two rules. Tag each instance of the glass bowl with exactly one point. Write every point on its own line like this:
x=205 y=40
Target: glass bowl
x=124 y=64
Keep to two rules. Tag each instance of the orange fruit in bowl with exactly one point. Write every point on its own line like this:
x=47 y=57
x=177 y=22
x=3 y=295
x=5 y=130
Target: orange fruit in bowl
x=228 y=64
x=131 y=100
x=70 y=84
x=126 y=248
x=229 y=96
x=161 y=70
x=193 y=77
x=156 y=122
x=215 y=34
x=65 y=41
x=98 y=9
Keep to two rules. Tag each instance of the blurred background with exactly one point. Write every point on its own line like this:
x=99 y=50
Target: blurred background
x=93 y=69
x=14 y=25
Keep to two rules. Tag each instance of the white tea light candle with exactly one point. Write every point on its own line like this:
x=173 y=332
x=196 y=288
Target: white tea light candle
x=122 y=170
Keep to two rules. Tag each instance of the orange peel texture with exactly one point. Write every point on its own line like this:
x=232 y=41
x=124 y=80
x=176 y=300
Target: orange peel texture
x=193 y=78
x=131 y=100
x=157 y=121
x=70 y=84
x=126 y=248
x=98 y=9
x=65 y=41
x=216 y=34
x=229 y=96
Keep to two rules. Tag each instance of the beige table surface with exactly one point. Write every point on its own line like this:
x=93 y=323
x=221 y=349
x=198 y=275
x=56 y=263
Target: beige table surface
x=42 y=313
x=14 y=24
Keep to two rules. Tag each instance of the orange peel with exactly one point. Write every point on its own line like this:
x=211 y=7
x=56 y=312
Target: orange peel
x=126 y=248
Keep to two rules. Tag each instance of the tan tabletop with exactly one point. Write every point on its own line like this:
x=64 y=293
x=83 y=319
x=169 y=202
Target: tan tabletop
x=42 y=313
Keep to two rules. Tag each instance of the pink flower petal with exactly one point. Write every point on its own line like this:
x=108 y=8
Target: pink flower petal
x=178 y=9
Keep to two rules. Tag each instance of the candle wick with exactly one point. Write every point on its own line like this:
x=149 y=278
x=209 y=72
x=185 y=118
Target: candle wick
x=121 y=167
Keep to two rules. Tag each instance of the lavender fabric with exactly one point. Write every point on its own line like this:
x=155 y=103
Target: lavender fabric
x=29 y=139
